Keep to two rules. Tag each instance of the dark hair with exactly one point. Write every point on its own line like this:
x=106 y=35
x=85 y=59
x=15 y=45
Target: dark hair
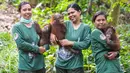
x=97 y=14
x=21 y=4
x=75 y=6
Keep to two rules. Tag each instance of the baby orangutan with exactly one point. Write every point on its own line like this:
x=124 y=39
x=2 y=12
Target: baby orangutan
x=112 y=39
x=58 y=28
x=44 y=34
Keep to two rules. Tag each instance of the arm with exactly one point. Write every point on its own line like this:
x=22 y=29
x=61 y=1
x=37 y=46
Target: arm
x=38 y=29
x=116 y=47
x=85 y=43
x=114 y=44
x=86 y=40
x=21 y=43
x=53 y=39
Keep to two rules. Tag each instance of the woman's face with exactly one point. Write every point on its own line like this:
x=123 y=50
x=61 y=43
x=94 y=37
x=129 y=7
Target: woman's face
x=74 y=15
x=100 y=22
x=26 y=11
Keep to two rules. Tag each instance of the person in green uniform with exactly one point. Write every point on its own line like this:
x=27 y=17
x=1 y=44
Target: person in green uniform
x=78 y=37
x=31 y=59
x=100 y=47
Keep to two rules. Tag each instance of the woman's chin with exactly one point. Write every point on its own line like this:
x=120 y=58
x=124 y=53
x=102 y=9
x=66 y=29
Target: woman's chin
x=27 y=18
x=100 y=28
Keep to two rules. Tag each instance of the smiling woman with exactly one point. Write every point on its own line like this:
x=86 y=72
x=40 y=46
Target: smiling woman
x=111 y=64
x=31 y=59
x=25 y=11
x=77 y=38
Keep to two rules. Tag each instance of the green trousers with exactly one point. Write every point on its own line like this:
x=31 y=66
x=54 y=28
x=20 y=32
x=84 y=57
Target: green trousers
x=76 y=70
x=43 y=70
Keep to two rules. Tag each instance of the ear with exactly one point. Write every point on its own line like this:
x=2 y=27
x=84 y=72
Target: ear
x=80 y=12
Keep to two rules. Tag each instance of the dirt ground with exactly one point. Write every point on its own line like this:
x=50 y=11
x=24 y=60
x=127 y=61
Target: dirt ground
x=8 y=17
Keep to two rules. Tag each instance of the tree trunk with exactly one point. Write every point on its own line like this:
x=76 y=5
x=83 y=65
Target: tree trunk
x=89 y=10
x=115 y=15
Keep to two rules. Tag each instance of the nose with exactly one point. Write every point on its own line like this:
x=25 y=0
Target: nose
x=101 y=21
x=28 y=11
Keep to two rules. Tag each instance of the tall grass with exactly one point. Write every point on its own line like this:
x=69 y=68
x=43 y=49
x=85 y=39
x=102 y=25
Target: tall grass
x=8 y=54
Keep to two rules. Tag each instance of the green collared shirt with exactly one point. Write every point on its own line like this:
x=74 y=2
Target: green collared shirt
x=27 y=40
x=81 y=40
x=99 y=48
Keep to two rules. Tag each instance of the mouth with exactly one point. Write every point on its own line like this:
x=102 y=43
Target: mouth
x=102 y=25
x=72 y=18
x=61 y=22
x=28 y=16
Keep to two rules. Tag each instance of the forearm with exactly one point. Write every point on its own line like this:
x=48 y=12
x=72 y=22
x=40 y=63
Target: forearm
x=84 y=41
x=27 y=47
x=81 y=45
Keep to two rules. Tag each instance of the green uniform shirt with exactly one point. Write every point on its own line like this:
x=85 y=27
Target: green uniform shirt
x=27 y=40
x=81 y=40
x=99 y=48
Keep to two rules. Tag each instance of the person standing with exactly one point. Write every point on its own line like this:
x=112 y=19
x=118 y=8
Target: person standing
x=100 y=47
x=31 y=59
x=77 y=36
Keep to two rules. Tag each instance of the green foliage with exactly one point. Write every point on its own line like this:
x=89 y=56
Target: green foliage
x=123 y=31
x=42 y=13
x=3 y=6
x=16 y=2
x=8 y=54
x=125 y=7
x=89 y=65
x=50 y=57
x=61 y=7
